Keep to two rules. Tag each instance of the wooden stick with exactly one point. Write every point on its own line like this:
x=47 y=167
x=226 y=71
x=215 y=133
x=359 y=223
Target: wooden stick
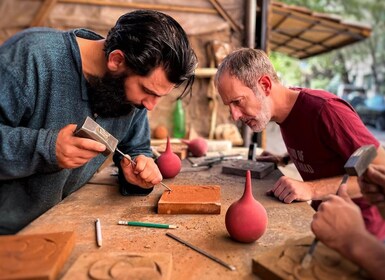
x=175 y=8
x=233 y=24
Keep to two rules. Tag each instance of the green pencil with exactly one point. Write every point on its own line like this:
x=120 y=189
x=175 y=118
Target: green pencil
x=144 y=224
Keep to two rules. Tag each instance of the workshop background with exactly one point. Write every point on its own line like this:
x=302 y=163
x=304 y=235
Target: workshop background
x=293 y=35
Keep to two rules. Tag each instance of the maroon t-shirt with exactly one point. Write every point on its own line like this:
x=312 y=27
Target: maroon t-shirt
x=321 y=132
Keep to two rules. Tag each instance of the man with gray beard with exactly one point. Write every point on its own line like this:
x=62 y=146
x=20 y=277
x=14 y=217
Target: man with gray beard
x=320 y=130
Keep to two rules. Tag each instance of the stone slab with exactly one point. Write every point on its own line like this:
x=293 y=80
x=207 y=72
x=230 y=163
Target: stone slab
x=284 y=262
x=120 y=265
x=35 y=256
x=239 y=167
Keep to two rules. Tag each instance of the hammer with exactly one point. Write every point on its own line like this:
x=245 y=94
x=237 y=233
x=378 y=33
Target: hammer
x=356 y=165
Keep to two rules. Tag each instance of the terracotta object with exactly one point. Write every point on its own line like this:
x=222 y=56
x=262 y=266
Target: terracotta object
x=169 y=163
x=284 y=262
x=36 y=256
x=191 y=200
x=246 y=219
x=120 y=265
x=197 y=147
x=160 y=132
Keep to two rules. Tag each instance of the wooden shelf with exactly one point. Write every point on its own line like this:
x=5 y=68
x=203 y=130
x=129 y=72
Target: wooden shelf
x=205 y=72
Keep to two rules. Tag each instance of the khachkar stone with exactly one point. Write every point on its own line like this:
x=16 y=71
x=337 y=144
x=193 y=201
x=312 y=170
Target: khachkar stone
x=37 y=256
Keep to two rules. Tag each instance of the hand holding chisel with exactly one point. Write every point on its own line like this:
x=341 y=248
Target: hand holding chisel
x=92 y=130
x=356 y=165
x=134 y=164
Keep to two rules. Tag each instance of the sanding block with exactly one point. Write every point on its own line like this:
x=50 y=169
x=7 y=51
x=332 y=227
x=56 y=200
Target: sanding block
x=92 y=130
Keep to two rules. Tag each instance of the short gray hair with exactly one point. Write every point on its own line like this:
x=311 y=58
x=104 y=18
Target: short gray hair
x=247 y=65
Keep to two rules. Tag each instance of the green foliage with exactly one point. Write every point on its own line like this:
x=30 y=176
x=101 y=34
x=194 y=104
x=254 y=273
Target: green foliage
x=287 y=68
x=320 y=70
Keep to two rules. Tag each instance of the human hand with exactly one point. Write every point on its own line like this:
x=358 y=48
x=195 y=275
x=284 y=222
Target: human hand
x=73 y=151
x=372 y=184
x=338 y=223
x=269 y=157
x=289 y=190
x=145 y=173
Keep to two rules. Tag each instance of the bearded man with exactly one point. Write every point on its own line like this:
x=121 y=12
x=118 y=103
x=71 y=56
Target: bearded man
x=52 y=80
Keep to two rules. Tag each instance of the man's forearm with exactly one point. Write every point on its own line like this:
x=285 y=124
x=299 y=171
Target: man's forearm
x=26 y=151
x=324 y=187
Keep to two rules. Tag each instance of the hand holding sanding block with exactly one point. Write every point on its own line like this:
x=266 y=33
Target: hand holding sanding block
x=92 y=130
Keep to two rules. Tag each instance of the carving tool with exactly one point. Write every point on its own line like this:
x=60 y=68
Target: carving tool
x=231 y=267
x=145 y=224
x=356 y=165
x=98 y=228
x=134 y=164
x=210 y=161
x=252 y=154
x=92 y=130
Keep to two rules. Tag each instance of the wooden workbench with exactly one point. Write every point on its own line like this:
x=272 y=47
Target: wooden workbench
x=208 y=232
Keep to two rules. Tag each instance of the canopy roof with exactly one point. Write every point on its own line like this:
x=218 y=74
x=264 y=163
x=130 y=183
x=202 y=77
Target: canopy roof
x=301 y=33
x=293 y=30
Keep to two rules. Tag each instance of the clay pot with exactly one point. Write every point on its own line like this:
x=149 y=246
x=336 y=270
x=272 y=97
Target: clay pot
x=197 y=147
x=246 y=219
x=169 y=163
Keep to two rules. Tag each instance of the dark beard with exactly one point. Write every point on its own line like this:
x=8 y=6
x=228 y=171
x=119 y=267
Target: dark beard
x=107 y=96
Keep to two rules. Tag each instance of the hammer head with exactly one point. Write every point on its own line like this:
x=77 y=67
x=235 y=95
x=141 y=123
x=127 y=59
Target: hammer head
x=360 y=160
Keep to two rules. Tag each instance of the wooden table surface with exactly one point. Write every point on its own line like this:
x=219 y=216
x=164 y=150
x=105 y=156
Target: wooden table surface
x=208 y=232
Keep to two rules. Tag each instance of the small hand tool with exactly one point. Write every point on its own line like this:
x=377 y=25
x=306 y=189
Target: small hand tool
x=356 y=165
x=210 y=161
x=309 y=255
x=252 y=154
x=98 y=228
x=229 y=266
x=92 y=130
x=134 y=164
